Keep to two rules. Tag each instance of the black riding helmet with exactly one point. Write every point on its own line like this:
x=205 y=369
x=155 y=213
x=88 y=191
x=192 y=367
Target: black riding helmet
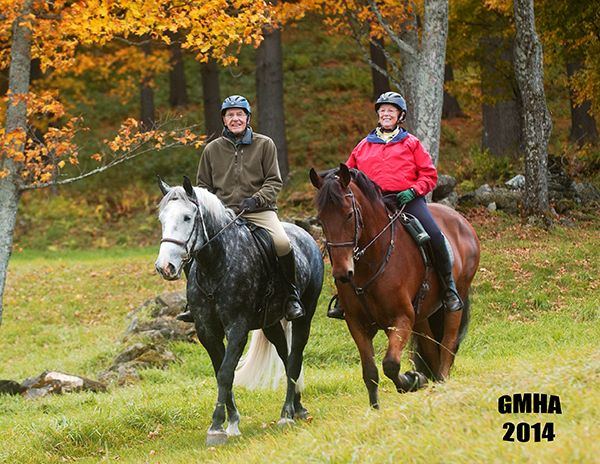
x=393 y=98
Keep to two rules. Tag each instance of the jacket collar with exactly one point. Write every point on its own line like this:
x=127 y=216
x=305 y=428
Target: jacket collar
x=372 y=137
x=245 y=139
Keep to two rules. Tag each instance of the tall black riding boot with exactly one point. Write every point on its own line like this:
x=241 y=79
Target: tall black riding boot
x=293 y=305
x=186 y=315
x=443 y=266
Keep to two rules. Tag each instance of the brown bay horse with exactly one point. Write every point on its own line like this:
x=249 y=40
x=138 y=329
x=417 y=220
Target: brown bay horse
x=380 y=276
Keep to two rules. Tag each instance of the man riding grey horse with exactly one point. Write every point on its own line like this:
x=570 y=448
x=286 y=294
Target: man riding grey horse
x=240 y=167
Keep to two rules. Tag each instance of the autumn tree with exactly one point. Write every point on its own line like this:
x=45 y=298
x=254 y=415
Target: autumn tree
x=416 y=32
x=53 y=32
x=570 y=34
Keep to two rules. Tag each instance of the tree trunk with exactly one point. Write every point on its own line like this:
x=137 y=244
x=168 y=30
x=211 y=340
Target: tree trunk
x=148 y=118
x=381 y=83
x=583 y=124
x=178 y=95
x=450 y=107
x=537 y=125
x=501 y=120
x=16 y=119
x=211 y=96
x=423 y=75
x=269 y=94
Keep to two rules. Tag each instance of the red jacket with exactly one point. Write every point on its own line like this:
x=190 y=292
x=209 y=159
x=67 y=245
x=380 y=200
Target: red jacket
x=398 y=165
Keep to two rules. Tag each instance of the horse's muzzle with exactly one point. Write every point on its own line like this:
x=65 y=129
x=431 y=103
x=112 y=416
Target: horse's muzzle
x=168 y=272
x=344 y=277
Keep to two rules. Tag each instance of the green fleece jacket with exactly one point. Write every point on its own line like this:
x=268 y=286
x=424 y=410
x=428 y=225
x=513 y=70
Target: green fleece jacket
x=236 y=171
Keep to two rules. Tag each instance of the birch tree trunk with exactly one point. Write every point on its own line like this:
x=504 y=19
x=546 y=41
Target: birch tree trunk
x=16 y=120
x=537 y=125
x=421 y=81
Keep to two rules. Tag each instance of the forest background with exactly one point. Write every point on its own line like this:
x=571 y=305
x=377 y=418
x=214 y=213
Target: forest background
x=328 y=92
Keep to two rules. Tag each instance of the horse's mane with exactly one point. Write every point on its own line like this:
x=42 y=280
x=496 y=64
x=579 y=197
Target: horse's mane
x=330 y=193
x=209 y=202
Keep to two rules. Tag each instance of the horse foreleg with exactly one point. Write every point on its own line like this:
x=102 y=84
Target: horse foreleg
x=364 y=343
x=224 y=363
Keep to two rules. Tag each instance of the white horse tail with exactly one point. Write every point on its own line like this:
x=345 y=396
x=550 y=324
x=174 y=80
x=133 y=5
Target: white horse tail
x=261 y=367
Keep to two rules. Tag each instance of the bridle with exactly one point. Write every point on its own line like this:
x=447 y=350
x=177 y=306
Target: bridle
x=198 y=221
x=359 y=224
x=357 y=252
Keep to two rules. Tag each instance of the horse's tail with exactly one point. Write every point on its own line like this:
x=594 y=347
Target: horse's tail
x=261 y=367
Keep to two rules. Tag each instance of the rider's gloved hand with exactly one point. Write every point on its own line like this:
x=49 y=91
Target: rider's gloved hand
x=406 y=196
x=249 y=204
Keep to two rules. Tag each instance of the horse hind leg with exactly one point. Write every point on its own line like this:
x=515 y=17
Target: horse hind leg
x=410 y=381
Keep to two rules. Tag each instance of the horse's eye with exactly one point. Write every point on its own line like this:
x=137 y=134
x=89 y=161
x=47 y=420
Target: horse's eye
x=187 y=218
x=350 y=214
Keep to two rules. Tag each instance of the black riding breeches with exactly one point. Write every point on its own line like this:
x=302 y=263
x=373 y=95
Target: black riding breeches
x=419 y=209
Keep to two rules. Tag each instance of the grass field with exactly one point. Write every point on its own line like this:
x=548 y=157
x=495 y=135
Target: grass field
x=534 y=328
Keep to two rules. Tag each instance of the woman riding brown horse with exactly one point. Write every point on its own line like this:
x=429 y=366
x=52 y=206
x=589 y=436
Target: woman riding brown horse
x=384 y=283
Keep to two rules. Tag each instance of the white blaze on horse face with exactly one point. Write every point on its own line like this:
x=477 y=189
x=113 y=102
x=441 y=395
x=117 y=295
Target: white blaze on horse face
x=178 y=235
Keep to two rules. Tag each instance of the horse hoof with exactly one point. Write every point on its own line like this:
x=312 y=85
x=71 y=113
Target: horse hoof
x=216 y=438
x=418 y=379
x=301 y=415
x=285 y=422
x=233 y=430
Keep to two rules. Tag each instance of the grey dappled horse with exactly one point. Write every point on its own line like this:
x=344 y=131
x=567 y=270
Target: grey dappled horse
x=231 y=291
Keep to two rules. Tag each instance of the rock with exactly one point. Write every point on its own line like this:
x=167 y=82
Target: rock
x=127 y=375
x=167 y=304
x=52 y=382
x=445 y=185
x=568 y=223
x=587 y=192
x=10 y=387
x=450 y=200
x=517 y=182
x=564 y=205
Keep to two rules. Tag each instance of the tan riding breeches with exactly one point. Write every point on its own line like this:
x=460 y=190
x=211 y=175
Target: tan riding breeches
x=270 y=221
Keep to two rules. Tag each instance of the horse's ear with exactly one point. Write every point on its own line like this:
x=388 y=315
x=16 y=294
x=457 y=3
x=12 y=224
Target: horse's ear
x=315 y=178
x=188 y=187
x=344 y=175
x=164 y=188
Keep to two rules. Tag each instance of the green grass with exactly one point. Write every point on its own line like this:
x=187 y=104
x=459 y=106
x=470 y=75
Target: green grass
x=534 y=328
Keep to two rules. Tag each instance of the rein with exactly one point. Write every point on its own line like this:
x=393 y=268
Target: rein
x=198 y=221
x=358 y=224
